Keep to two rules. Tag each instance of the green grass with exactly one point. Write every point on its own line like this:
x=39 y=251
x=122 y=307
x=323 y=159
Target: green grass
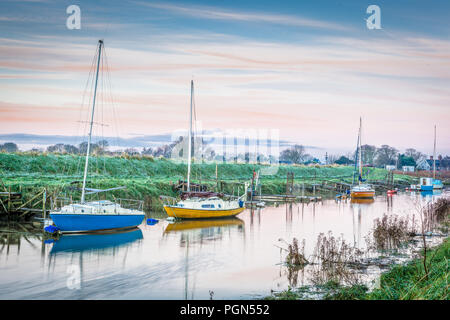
x=356 y=292
x=149 y=177
x=23 y=164
x=411 y=281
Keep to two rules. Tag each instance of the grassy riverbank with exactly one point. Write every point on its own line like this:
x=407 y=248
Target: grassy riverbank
x=402 y=282
x=412 y=282
x=147 y=178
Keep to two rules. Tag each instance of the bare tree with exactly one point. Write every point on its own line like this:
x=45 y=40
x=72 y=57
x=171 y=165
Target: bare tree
x=386 y=155
x=295 y=154
x=413 y=153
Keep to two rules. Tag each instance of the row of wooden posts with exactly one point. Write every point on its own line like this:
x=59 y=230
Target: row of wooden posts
x=14 y=206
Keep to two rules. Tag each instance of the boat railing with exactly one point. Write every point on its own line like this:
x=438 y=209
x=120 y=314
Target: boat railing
x=168 y=200
x=232 y=197
x=59 y=202
x=56 y=203
x=130 y=203
x=237 y=197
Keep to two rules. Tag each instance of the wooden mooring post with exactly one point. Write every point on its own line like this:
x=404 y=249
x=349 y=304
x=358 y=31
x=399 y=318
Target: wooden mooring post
x=289 y=182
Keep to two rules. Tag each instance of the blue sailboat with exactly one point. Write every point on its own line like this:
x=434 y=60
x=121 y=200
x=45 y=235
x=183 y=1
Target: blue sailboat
x=96 y=215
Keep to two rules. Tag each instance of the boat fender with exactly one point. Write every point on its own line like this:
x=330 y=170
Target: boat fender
x=51 y=229
x=241 y=203
x=152 y=222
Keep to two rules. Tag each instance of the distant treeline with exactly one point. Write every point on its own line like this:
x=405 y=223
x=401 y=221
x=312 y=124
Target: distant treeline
x=371 y=155
x=97 y=148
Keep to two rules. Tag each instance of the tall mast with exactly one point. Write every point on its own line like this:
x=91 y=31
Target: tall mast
x=83 y=192
x=434 y=154
x=189 y=139
x=356 y=159
x=360 y=152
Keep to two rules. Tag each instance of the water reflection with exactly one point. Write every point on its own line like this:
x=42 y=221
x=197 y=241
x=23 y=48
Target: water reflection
x=358 y=207
x=390 y=202
x=212 y=225
x=197 y=232
x=237 y=258
x=363 y=201
x=429 y=195
x=94 y=242
x=255 y=213
x=14 y=234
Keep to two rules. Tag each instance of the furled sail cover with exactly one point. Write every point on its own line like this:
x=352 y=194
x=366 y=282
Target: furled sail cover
x=186 y=195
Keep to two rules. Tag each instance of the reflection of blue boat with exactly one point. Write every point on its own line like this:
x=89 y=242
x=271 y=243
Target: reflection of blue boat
x=430 y=193
x=94 y=241
x=426 y=193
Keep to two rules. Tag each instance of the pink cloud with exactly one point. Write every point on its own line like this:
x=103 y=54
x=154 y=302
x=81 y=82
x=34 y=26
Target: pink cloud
x=310 y=92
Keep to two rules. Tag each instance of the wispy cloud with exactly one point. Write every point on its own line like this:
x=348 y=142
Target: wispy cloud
x=216 y=13
x=309 y=89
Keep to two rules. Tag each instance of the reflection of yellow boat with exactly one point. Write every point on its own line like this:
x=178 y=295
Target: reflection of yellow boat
x=362 y=200
x=202 y=223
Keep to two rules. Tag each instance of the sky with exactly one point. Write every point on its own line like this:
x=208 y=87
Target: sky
x=307 y=70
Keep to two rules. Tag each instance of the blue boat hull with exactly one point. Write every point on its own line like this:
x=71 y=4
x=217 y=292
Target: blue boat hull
x=95 y=222
x=426 y=188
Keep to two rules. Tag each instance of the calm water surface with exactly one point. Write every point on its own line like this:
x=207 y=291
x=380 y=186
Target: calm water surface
x=233 y=258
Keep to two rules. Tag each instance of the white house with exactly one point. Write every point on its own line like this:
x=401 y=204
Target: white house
x=408 y=168
x=390 y=167
x=422 y=164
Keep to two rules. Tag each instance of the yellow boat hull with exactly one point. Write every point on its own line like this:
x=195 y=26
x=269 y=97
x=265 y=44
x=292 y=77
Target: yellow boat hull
x=363 y=194
x=185 y=213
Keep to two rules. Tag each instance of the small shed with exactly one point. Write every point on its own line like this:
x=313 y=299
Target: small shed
x=408 y=168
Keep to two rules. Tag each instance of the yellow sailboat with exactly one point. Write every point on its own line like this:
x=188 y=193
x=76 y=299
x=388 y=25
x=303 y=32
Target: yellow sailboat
x=361 y=190
x=195 y=208
x=201 y=205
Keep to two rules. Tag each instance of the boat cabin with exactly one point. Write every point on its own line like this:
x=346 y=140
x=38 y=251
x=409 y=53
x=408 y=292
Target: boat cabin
x=426 y=181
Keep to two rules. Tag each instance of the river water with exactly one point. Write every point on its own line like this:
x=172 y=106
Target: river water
x=224 y=259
